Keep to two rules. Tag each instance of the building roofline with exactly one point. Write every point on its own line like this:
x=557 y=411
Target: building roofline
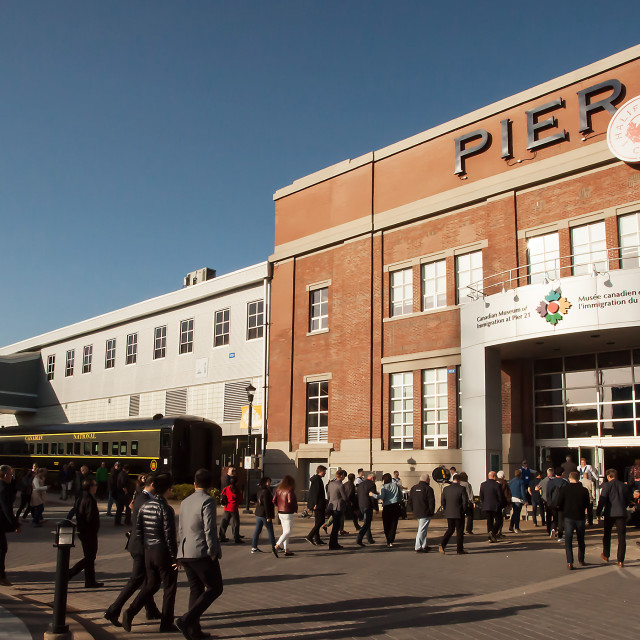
x=564 y=80
x=164 y=302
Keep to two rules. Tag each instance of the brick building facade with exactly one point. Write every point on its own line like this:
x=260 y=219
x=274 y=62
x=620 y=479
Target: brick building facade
x=385 y=266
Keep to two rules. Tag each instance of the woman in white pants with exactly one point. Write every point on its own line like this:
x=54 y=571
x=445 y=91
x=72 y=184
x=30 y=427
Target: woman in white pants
x=287 y=505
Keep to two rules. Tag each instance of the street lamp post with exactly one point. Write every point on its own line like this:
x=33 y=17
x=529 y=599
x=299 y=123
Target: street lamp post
x=65 y=539
x=251 y=390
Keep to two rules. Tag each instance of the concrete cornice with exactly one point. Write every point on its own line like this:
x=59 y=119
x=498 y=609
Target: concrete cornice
x=556 y=84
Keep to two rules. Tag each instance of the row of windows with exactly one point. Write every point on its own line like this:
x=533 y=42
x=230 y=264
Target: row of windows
x=435 y=410
x=255 y=328
x=85 y=448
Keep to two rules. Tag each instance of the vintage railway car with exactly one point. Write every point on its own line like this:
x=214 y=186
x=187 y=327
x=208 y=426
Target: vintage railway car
x=179 y=445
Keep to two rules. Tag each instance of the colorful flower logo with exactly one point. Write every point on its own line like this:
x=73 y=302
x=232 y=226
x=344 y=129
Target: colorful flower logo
x=554 y=307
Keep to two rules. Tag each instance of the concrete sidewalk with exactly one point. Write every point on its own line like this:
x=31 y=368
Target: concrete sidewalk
x=518 y=587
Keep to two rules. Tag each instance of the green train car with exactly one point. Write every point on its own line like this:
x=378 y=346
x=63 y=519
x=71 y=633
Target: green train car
x=179 y=445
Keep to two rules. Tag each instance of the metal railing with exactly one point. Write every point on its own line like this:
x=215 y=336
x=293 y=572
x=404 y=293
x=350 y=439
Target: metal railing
x=551 y=270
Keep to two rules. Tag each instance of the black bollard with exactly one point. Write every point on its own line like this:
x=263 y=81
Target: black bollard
x=65 y=538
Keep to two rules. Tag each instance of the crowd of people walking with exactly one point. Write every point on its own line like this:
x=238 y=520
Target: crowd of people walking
x=564 y=499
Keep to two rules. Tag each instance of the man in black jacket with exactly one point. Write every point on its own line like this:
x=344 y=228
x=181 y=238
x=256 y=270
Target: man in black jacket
x=123 y=494
x=614 y=499
x=454 y=504
x=422 y=502
x=317 y=502
x=8 y=522
x=573 y=501
x=367 y=505
x=113 y=487
x=156 y=529
x=138 y=575
x=493 y=502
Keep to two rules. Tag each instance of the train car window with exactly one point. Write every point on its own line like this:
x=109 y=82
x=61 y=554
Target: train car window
x=45 y=448
x=69 y=448
x=105 y=448
x=165 y=439
x=114 y=448
x=76 y=448
x=123 y=448
x=54 y=448
x=134 y=447
x=60 y=448
x=86 y=448
x=2 y=447
x=31 y=448
x=95 y=448
x=39 y=448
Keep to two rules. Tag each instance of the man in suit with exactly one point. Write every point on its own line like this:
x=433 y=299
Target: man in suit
x=493 y=501
x=454 y=504
x=113 y=486
x=367 y=505
x=317 y=502
x=8 y=522
x=138 y=573
x=613 y=502
x=124 y=497
x=337 y=505
x=199 y=554
x=422 y=502
x=573 y=501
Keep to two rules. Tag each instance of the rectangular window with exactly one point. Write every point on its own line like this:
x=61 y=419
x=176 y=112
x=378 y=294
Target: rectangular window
x=221 y=328
x=160 y=342
x=134 y=447
x=95 y=448
x=60 y=448
x=434 y=285
x=401 y=410
x=186 y=336
x=110 y=355
x=589 y=248
x=255 y=319
x=105 y=448
x=543 y=256
x=76 y=448
x=318 y=411
x=87 y=358
x=319 y=309
x=69 y=448
x=51 y=367
x=86 y=448
x=32 y=448
x=114 y=449
x=132 y=348
x=123 y=448
x=629 y=230
x=45 y=448
x=401 y=292
x=39 y=448
x=468 y=277
x=71 y=356
x=54 y=448
x=435 y=408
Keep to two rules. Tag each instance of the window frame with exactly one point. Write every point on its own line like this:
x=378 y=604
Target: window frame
x=221 y=327
x=436 y=280
x=51 y=366
x=319 y=431
x=87 y=358
x=440 y=440
x=160 y=342
x=465 y=299
x=401 y=293
x=633 y=260
x=593 y=256
x=69 y=363
x=257 y=325
x=131 y=357
x=319 y=309
x=110 y=353
x=545 y=256
x=405 y=440
x=185 y=341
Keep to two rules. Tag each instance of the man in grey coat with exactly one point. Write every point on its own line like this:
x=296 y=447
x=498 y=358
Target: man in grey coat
x=199 y=553
x=454 y=503
x=337 y=505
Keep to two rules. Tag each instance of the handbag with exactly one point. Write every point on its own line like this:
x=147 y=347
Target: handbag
x=224 y=500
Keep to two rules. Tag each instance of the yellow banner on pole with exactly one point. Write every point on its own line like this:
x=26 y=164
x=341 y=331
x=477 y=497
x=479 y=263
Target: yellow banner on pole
x=256 y=418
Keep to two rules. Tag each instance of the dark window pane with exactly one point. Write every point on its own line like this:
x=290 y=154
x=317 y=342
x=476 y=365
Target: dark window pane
x=95 y=448
x=114 y=448
x=76 y=448
x=123 y=448
x=45 y=448
x=39 y=448
x=54 y=448
x=580 y=363
x=616 y=394
x=582 y=429
x=324 y=388
x=31 y=448
x=550 y=365
x=324 y=420
x=547 y=398
x=616 y=411
x=552 y=381
x=624 y=428
x=550 y=414
x=614 y=359
x=324 y=403
x=69 y=448
x=86 y=448
x=313 y=405
x=165 y=440
x=544 y=431
x=582 y=413
x=134 y=448
x=636 y=356
x=105 y=448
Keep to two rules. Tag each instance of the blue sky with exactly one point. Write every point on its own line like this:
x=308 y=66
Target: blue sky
x=143 y=139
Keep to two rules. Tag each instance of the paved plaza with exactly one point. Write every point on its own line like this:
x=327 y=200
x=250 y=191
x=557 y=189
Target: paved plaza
x=519 y=587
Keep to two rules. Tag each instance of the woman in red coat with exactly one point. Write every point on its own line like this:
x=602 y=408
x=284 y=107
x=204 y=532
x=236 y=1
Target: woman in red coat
x=231 y=498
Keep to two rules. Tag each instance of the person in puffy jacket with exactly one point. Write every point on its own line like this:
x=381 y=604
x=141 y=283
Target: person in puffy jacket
x=156 y=530
x=231 y=498
x=287 y=504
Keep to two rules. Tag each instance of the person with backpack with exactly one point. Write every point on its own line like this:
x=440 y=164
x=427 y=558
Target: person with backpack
x=231 y=499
